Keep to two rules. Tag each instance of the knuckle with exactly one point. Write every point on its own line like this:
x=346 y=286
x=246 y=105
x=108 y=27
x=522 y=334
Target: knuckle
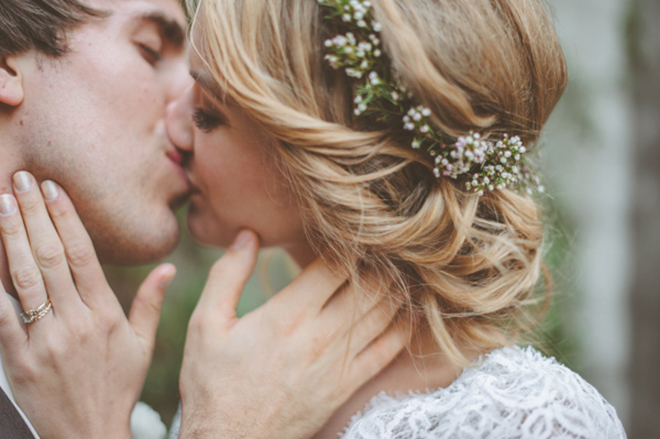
x=26 y=277
x=80 y=255
x=60 y=214
x=30 y=207
x=49 y=255
x=12 y=229
x=82 y=328
x=25 y=374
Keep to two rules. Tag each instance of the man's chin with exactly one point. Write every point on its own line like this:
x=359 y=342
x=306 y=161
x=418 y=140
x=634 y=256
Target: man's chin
x=139 y=250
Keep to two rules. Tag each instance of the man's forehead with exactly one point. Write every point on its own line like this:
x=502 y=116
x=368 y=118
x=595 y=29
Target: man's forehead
x=171 y=9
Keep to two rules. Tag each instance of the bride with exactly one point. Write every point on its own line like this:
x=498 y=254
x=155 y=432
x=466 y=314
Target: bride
x=391 y=138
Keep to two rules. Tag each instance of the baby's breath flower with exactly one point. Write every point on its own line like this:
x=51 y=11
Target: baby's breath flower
x=488 y=165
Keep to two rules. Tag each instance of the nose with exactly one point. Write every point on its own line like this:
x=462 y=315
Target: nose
x=178 y=121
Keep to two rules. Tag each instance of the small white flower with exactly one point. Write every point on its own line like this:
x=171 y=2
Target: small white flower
x=417 y=117
x=376 y=26
x=377 y=53
x=426 y=112
x=362 y=23
x=346 y=17
x=409 y=126
x=395 y=96
x=362 y=107
x=424 y=129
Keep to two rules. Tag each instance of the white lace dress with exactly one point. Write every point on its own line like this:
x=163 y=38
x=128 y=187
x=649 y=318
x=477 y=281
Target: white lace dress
x=510 y=393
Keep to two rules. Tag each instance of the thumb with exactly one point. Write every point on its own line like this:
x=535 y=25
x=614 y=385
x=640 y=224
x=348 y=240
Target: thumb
x=145 y=311
x=229 y=275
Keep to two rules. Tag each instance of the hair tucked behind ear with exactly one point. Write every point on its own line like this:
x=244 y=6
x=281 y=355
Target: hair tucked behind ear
x=470 y=264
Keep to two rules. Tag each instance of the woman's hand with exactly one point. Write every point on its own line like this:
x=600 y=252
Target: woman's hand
x=284 y=369
x=78 y=371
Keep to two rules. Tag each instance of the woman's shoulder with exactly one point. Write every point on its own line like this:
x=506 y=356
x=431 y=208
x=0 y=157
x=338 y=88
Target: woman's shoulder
x=509 y=392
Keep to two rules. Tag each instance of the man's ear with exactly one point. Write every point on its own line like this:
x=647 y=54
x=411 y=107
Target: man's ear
x=11 y=81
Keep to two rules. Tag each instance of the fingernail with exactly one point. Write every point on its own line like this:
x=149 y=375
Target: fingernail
x=7 y=205
x=168 y=276
x=50 y=190
x=243 y=238
x=22 y=181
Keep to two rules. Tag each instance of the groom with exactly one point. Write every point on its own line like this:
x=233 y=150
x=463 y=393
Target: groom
x=83 y=93
x=84 y=86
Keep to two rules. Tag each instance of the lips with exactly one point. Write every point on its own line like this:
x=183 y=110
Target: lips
x=175 y=156
x=177 y=161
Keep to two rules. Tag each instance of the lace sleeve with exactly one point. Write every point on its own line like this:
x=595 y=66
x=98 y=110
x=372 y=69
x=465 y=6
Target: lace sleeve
x=513 y=393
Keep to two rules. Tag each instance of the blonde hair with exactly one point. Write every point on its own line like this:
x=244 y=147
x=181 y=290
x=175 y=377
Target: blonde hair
x=470 y=265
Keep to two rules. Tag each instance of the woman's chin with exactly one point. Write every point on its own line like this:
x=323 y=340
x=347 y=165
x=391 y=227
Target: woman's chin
x=201 y=233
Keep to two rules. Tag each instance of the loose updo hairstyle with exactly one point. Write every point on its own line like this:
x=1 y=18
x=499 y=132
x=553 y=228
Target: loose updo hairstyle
x=469 y=265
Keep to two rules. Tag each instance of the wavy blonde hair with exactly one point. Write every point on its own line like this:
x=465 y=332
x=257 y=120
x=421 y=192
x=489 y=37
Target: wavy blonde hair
x=469 y=265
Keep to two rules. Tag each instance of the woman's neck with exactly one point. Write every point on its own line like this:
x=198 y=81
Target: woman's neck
x=301 y=253
x=421 y=367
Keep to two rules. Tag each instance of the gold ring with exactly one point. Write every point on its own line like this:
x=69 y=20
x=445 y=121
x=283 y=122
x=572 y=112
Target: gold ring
x=33 y=315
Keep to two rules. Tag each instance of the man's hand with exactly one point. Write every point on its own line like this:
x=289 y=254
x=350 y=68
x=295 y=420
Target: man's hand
x=282 y=370
x=78 y=370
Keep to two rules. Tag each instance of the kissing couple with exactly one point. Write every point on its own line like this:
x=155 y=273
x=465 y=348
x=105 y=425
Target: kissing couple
x=383 y=144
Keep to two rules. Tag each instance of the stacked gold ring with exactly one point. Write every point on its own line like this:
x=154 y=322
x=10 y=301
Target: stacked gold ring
x=33 y=315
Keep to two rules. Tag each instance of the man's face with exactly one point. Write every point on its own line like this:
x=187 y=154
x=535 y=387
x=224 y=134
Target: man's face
x=94 y=122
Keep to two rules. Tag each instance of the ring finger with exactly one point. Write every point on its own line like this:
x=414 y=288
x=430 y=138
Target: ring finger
x=25 y=274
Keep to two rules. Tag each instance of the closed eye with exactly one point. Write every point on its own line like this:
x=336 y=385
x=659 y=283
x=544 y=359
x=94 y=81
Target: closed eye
x=150 y=55
x=206 y=121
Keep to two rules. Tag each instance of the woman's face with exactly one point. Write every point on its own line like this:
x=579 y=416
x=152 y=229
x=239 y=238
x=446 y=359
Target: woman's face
x=233 y=170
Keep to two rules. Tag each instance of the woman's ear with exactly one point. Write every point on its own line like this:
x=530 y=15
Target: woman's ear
x=11 y=81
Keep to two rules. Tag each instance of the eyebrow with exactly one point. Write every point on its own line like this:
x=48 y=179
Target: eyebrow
x=169 y=28
x=203 y=79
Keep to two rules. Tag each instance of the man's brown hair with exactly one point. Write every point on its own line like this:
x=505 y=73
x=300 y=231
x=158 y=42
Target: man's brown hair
x=39 y=24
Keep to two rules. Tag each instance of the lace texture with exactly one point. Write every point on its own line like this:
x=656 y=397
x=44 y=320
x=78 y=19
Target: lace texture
x=511 y=393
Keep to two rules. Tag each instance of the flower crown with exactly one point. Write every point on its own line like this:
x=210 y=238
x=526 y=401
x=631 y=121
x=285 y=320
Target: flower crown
x=378 y=94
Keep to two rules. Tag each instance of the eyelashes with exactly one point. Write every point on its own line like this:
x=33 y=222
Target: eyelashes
x=149 y=54
x=206 y=121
